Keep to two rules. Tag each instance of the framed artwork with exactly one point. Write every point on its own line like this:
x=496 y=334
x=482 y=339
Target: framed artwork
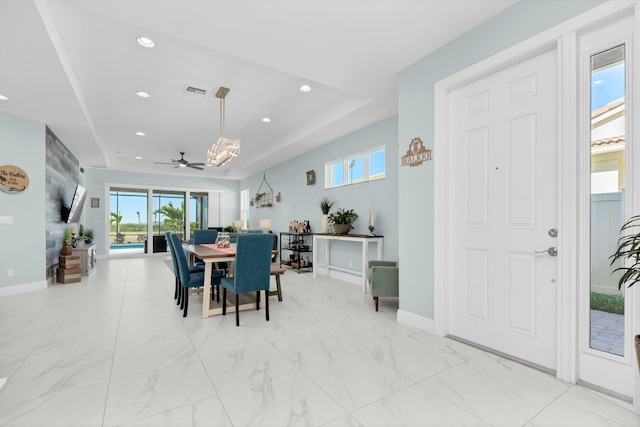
x=311 y=177
x=95 y=202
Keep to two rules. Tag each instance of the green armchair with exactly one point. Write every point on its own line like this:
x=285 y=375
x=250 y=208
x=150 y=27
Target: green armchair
x=382 y=277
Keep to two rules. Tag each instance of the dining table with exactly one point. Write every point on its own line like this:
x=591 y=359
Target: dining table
x=210 y=254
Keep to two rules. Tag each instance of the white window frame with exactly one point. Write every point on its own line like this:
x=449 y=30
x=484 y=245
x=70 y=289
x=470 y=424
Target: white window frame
x=244 y=208
x=365 y=155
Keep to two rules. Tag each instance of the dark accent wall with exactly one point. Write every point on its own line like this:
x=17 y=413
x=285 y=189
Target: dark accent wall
x=62 y=176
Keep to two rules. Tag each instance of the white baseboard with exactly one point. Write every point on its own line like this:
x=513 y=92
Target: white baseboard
x=24 y=288
x=355 y=277
x=413 y=320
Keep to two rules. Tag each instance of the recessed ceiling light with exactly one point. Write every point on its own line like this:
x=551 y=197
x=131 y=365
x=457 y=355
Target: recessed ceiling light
x=145 y=42
x=305 y=88
x=142 y=94
x=138 y=158
x=3 y=98
x=140 y=133
x=266 y=119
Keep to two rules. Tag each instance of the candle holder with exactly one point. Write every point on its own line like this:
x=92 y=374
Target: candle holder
x=371 y=227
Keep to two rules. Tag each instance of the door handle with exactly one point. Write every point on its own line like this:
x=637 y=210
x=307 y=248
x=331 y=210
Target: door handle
x=552 y=251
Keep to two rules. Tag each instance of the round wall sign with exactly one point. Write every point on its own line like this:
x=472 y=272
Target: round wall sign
x=13 y=180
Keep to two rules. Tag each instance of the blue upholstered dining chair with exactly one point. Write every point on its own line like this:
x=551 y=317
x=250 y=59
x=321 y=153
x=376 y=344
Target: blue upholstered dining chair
x=209 y=236
x=252 y=270
x=178 y=292
x=188 y=278
x=204 y=236
x=175 y=264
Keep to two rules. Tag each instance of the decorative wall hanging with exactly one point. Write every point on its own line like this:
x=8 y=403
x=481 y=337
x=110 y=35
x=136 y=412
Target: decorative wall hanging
x=13 y=180
x=416 y=154
x=95 y=202
x=264 y=200
x=311 y=177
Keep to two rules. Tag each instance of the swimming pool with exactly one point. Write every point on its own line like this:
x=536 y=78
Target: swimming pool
x=117 y=246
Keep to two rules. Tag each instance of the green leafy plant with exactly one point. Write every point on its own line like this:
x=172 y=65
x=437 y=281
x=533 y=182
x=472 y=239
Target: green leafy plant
x=89 y=235
x=86 y=235
x=628 y=252
x=67 y=239
x=326 y=204
x=608 y=303
x=230 y=229
x=343 y=216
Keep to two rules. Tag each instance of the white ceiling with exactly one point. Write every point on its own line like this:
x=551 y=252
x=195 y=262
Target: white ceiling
x=75 y=65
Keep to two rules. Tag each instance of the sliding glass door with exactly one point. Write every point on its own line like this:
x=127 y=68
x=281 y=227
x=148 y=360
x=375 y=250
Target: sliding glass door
x=168 y=215
x=127 y=220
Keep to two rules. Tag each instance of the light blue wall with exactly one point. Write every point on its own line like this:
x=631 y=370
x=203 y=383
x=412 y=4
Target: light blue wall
x=22 y=144
x=96 y=179
x=416 y=118
x=301 y=201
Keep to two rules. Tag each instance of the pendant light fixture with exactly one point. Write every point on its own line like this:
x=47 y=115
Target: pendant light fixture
x=225 y=149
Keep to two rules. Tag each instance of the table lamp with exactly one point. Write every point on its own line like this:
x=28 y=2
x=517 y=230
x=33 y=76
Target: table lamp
x=265 y=225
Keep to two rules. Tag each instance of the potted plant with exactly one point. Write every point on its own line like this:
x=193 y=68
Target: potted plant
x=88 y=235
x=325 y=206
x=67 y=241
x=628 y=253
x=82 y=238
x=342 y=220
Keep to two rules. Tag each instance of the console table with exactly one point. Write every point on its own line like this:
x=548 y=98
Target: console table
x=88 y=260
x=362 y=239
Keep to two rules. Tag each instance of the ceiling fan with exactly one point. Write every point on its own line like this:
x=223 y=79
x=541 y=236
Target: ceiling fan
x=182 y=163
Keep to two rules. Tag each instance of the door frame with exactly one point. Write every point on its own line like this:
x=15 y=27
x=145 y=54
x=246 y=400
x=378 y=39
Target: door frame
x=562 y=39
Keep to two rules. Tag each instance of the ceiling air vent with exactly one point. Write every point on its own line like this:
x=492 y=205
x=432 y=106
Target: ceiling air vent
x=195 y=91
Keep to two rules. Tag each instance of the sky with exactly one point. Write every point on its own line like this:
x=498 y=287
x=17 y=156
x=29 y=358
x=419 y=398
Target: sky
x=137 y=202
x=607 y=85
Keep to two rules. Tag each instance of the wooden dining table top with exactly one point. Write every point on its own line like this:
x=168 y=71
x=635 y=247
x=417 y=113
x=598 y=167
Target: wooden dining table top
x=210 y=251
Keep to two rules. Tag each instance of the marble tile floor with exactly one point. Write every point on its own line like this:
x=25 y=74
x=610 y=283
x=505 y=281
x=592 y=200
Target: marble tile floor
x=114 y=350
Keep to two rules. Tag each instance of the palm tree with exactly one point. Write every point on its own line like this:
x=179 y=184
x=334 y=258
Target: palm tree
x=117 y=219
x=174 y=216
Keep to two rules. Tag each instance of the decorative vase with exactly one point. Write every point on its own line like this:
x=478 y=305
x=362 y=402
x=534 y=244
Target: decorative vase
x=80 y=244
x=325 y=223
x=66 y=250
x=341 y=228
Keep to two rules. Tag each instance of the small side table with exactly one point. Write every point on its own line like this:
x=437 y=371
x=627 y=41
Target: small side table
x=88 y=262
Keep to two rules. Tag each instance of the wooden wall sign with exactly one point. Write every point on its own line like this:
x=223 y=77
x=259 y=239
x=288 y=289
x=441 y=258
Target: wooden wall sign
x=416 y=154
x=13 y=180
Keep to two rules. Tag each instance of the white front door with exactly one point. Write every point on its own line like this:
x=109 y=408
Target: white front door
x=503 y=208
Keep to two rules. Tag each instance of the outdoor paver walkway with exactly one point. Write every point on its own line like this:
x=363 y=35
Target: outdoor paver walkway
x=607 y=332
